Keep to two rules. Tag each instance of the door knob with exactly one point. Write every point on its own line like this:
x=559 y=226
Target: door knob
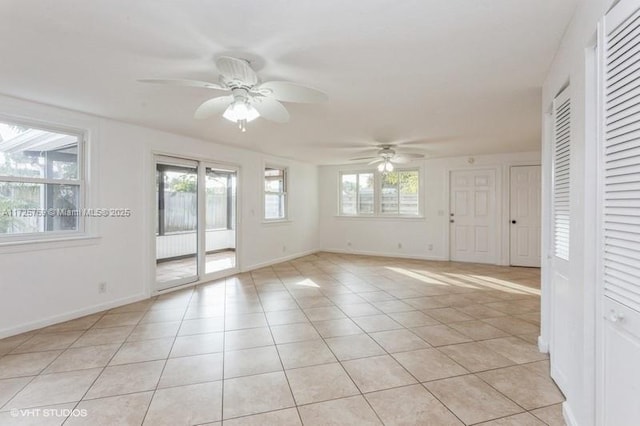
x=615 y=316
x=514 y=222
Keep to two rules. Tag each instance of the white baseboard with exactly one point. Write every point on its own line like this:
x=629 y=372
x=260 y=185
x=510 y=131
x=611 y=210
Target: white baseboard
x=55 y=319
x=543 y=345
x=279 y=260
x=383 y=254
x=567 y=413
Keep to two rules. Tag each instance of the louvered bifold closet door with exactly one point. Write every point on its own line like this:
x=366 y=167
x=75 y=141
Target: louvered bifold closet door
x=621 y=158
x=561 y=173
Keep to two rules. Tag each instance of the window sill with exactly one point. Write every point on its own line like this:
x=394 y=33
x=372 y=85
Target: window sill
x=380 y=217
x=276 y=222
x=58 y=242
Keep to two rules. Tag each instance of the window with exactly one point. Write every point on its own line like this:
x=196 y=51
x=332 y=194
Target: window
x=357 y=193
x=400 y=193
x=275 y=193
x=397 y=193
x=41 y=180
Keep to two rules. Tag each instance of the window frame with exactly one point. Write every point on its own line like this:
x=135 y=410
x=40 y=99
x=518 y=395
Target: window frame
x=377 y=194
x=82 y=230
x=284 y=193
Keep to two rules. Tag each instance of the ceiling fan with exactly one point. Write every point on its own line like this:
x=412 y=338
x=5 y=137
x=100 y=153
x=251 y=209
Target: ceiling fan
x=249 y=98
x=387 y=156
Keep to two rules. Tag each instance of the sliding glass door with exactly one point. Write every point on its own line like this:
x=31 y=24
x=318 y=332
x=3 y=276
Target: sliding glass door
x=196 y=221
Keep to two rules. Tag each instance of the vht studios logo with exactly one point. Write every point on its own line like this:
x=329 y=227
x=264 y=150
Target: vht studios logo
x=49 y=412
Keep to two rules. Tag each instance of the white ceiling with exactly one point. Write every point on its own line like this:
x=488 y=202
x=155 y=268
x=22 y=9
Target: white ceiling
x=462 y=75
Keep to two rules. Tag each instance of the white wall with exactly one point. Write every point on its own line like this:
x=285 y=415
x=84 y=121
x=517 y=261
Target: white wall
x=380 y=236
x=576 y=304
x=45 y=283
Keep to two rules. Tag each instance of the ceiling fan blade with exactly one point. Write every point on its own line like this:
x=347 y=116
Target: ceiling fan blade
x=213 y=106
x=406 y=158
x=236 y=69
x=291 y=92
x=270 y=109
x=377 y=160
x=186 y=83
x=363 y=158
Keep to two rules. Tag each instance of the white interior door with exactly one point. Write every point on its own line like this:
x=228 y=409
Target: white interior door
x=562 y=354
x=525 y=216
x=619 y=342
x=473 y=216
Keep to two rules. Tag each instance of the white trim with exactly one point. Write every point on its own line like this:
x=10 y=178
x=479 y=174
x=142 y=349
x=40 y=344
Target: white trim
x=280 y=260
x=543 y=345
x=567 y=413
x=384 y=254
x=46 y=244
x=78 y=313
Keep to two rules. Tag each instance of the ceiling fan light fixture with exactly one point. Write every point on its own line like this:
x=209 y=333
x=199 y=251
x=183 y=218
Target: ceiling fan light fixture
x=241 y=112
x=385 y=167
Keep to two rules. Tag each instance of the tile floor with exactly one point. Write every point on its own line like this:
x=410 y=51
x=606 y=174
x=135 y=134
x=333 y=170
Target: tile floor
x=322 y=340
x=169 y=270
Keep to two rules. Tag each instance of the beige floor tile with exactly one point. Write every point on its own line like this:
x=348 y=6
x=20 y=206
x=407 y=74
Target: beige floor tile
x=448 y=315
x=541 y=367
x=523 y=419
x=79 y=324
x=512 y=325
x=377 y=373
x=551 y=415
x=286 y=417
x=291 y=316
x=337 y=327
x=10 y=343
x=128 y=378
x=27 y=364
x=320 y=383
x=413 y=318
x=191 y=369
x=289 y=333
x=140 y=306
x=163 y=315
x=440 y=335
x=242 y=321
x=373 y=323
x=391 y=306
x=304 y=354
x=256 y=394
x=251 y=361
x=103 y=336
x=10 y=387
x=475 y=357
x=197 y=344
x=201 y=326
x=515 y=349
x=324 y=313
x=352 y=347
x=524 y=386
x=411 y=405
x=48 y=342
x=399 y=340
x=146 y=350
x=245 y=339
x=118 y=320
x=478 y=330
x=186 y=405
x=154 y=330
x=339 y=412
x=57 y=388
x=122 y=410
x=429 y=364
x=360 y=309
x=471 y=399
x=480 y=311
x=82 y=358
